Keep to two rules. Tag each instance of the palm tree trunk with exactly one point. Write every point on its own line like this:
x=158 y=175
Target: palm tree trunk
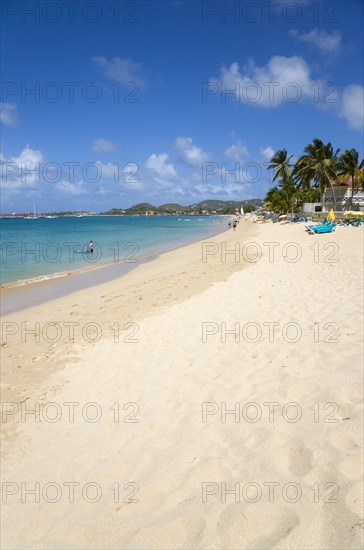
x=333 y=194
x=352 y=190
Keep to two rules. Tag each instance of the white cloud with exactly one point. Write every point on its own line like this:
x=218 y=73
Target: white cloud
x=109 y=170
x=288 y=79
x=8 y=114
x=266 y=153
x=130 y=178
x=73 y=189
x=229 y=189
x=228 y=177
x=28 y=158
x=126 y=175
x=103 y=146
x=236 y=152
x=121 y=70
x=189 y=153
x=352 y=106
x=324 y=41
x=22 y=172
x=163 y=173
x=282 y=79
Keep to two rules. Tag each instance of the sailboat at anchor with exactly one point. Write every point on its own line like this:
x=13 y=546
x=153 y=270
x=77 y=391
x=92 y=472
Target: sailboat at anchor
x=34 y=217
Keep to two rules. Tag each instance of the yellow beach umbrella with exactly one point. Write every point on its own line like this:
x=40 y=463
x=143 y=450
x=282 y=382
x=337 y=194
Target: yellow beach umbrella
x=331 y=215
x=353 y=213
x=282 y=216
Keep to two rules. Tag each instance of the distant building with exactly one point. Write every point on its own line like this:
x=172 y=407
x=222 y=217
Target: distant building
x=342 y=195
x=312 y=207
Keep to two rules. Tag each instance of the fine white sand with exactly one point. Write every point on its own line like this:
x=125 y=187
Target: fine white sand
x=291 y=371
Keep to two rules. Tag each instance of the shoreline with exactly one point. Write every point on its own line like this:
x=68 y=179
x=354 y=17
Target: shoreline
x=68 y=270
x=66 y=282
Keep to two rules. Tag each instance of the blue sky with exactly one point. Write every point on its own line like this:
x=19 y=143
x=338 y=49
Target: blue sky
x=170 y=101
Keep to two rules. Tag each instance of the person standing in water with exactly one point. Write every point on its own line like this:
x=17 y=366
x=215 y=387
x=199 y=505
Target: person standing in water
x=90 y=248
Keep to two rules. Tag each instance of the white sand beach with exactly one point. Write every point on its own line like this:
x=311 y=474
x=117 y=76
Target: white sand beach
x=206 y=401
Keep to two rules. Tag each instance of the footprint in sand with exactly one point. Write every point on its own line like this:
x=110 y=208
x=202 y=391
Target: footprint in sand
x=339 y=527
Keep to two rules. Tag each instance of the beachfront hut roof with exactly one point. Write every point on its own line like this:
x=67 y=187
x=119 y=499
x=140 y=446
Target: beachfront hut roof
x=347 y=182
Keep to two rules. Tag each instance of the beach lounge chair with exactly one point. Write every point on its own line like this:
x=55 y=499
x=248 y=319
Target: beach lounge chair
x=321 y=228
x=327 y=224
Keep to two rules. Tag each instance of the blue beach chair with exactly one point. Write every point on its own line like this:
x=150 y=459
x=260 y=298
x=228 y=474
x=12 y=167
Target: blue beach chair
x=321 y=228
x=325 y=223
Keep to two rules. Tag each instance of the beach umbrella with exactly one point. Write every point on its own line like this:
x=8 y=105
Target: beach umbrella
x=353 y=213
x=282 y=216
x=331 y=215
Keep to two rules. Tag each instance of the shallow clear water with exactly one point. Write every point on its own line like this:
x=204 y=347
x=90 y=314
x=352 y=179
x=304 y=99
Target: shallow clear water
x=43 y=248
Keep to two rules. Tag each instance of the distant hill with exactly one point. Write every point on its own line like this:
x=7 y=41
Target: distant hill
x=140 y=208
x=171 y=207
x=203 y=207
x=227 y=207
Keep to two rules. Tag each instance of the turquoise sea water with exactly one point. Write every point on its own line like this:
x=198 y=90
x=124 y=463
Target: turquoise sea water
x=44 y=248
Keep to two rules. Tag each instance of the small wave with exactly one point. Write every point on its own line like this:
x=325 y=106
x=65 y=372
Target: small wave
x=38 y=279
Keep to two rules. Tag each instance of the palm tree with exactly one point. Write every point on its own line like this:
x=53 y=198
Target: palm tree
x=284 y=198
x=275 y=200
x=290 y=193
x=310 y=194
x=280 y=163
x=348 y=166
x=305 y=191
x=318 y=164
x=302 y=179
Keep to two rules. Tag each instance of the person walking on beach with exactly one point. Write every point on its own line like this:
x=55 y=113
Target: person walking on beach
x=235 y=223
